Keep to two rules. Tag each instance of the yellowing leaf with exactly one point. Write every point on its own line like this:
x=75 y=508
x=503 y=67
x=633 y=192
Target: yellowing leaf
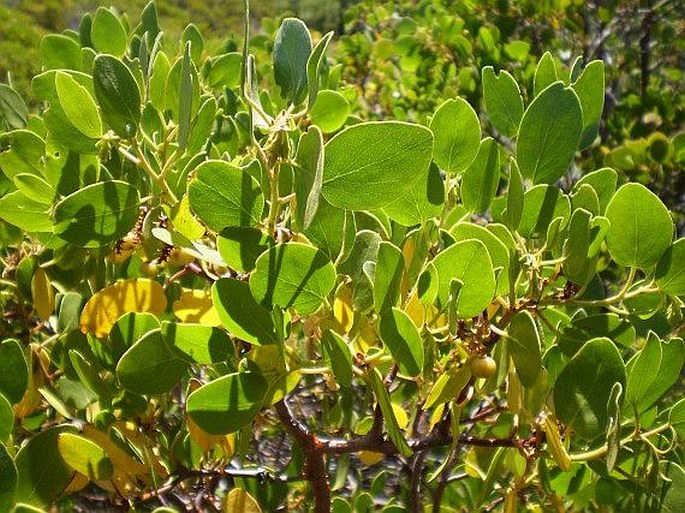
x=400 y=415
x=369 y=458
x=415 y=310
x=43 y=294
x=239 y=501
x=555 y=445
x=342 y=310
x=196 y=306
x=106 y=306
x=78 y=483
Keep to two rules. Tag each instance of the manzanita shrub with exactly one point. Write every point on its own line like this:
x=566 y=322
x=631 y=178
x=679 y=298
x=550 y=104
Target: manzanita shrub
x=199 y=261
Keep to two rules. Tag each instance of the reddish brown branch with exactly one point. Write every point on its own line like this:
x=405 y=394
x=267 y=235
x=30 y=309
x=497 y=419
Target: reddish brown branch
x=315 y=469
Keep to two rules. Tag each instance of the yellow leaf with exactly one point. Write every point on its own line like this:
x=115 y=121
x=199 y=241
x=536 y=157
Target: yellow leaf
x=239 y=501
x=342 y=310
x=106 y=306
x=400 y=415
x=43 y=294
x=415 y=310
x=554 y=444
x=77 y=484
x=370 y=458
x=196 y=306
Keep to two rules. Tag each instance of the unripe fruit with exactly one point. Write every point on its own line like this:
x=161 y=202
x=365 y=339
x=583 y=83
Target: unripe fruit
x=149 y=269
x=483 y=367
x=180 y=257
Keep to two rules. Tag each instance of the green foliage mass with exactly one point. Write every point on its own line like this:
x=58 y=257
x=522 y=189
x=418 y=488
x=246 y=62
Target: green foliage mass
x=244 y=273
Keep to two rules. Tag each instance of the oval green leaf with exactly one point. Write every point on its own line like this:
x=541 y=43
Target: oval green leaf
x=242 y=316
x=503 y=102
x=549 y=134
x=117 y=93
x=97 y=214
x=223 y=195
x=368 y=165
x=227 y=404
x=670 y=272
x=456 y=129
x=583 y=388
x=468 y=262
x=293 y=275
x=641 y=227
x=400 y=335
x=481 y=179
x=150 y=366
x=14 y=372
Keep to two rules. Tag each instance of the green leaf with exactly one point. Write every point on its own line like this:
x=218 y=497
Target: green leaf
x=150 y=366
x=641 y=227
x=676 y=417
x=308 y=176
x=185 y=98
x=192 y=35
x=365 y=249
x=524 y=347
x=42 y=472
x=97 y=214
x=498 y=251
x=503 y=102
x=78 y=105
x=227 y=404
x=27 y=214
x=578 y=266
x=8 y=480
x=292 y=48
x=541 y=205
x=224 y=70
x=241 y=314
x=117 y=93
x=481 y=179
x=400 y=335
x=590 y=90
x=197 y=343
x=583 y=388
x=674 y=486
x=85 y=456
x=387 y=276
x=424 y=201
x=456 y=129
x=25 y=154
x=315 y=65
x=6 y=423
x=330 y=111
x=608 y=325
x=13 y=111
x=603 y=181
x=613 y=434
x=549 y=134
x=107 y=33
x=394 y=431
x=338 y=357
x=223 y=195
x=515 y=197
x=670 y=271
x=128 y=329
x=469 y=262
x=653 y=371
x=584 y=196
x=368 y=165
x=293 y=275
x=60 y=52
x=240 y=246
x=545 y=73
x=35 y=188
x=14 y=372
x=332 y=229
